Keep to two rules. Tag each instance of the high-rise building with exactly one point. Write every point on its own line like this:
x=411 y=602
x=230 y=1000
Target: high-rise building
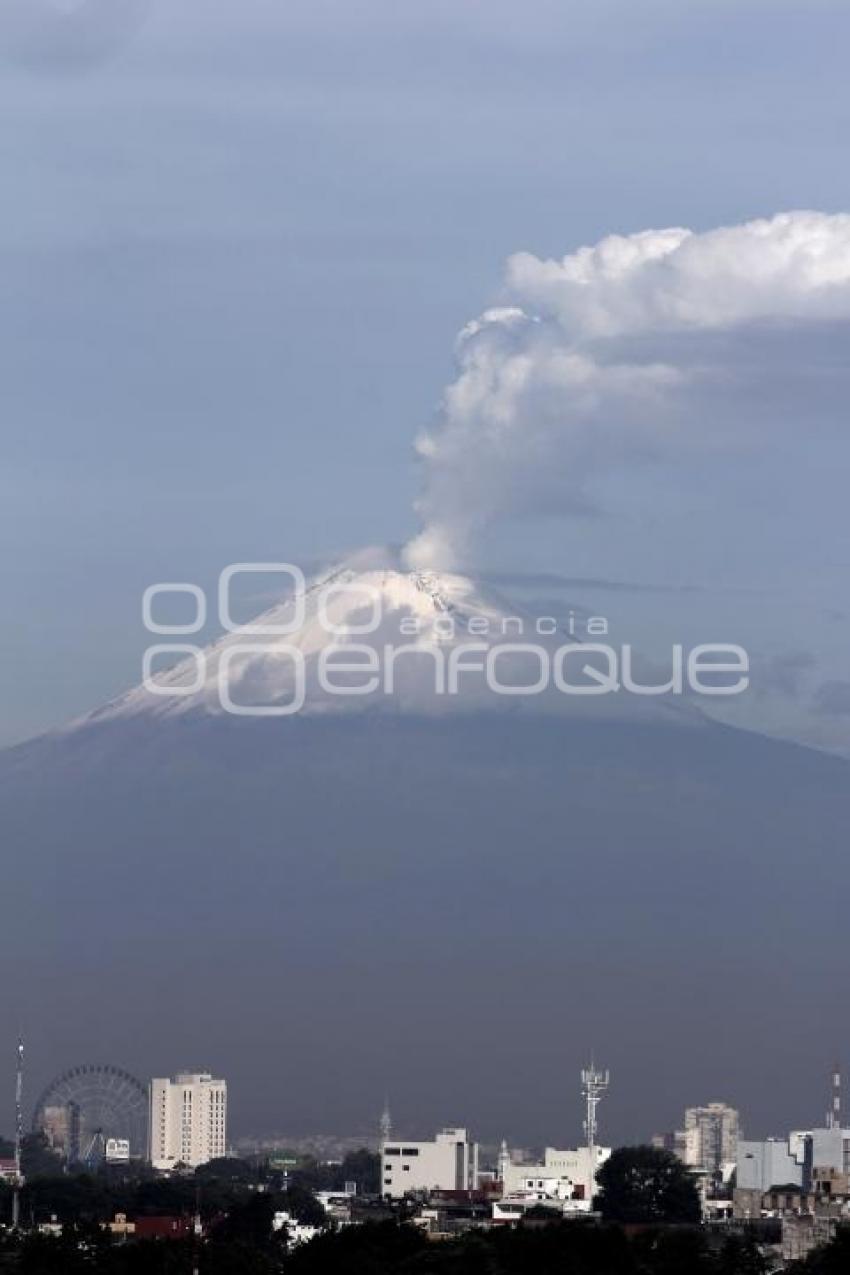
x=711 y=1136
x=188 y=1120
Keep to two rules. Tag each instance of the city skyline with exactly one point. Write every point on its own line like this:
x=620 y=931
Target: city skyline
x=378 y=1125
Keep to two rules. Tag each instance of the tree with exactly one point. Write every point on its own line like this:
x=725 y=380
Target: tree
x=249 y=1222
x=375 y=1247
x=646 y=1184
x=831 y=1259
x=302 y=1204
x=38 y=1159
x=741 y=1255
x=80 y=1197
x=81 y=1248
x=227 y=1169
x=364 y=1168
x=315 y=1176
x=674 y=1251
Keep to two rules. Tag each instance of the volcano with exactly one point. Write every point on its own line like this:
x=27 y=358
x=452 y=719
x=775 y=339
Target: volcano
x=450 y=897
x=381 y=639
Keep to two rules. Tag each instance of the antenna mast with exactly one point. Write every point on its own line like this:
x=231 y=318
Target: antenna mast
x=19 y=1132
x=594 y=1087
x=386 y=1125
x=833 y=1119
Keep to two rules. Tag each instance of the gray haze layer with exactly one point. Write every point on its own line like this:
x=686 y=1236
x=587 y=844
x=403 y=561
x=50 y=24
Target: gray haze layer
x=455 y=911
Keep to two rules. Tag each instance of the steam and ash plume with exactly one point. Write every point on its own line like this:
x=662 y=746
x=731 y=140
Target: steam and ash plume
x=636 y=349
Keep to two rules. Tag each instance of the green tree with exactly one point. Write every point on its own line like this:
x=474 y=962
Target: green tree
x=362 y=1167
x=831 y=1259
x=646 y=1184
x=37 y=1157
x=675 y=1251
x=740 y=1255
x=315 y=1176
x=372 y=1249
x=302 y=1204
x=249 y=1222
x=227 y=1169
x=81 y=1248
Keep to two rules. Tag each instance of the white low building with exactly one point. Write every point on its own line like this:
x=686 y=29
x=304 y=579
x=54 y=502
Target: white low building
x=296 y=1232
x=565 y=1179
x=513 y=1208
x=117 y=1151
x=568 y=1176
x=771 y=1162
x=449 y=1163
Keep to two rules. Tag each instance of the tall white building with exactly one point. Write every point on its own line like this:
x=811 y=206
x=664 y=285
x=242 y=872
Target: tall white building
x=188 y=1120
x=449 y=1163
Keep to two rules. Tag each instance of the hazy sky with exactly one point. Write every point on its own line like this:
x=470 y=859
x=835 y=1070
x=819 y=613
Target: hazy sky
x=238 y=242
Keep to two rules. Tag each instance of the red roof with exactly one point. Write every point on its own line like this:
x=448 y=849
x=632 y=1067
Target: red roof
x=162 y=1228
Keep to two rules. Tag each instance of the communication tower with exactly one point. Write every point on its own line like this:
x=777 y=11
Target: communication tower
x=594 y=1087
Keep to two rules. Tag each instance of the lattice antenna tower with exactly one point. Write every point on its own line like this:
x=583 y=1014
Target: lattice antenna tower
x=594 y=1086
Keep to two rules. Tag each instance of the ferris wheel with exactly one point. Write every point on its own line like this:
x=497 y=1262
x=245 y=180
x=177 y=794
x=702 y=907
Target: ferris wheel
x=89 y=1109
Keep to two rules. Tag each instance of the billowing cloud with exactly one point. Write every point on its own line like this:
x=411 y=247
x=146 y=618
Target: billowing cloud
x=628 y=351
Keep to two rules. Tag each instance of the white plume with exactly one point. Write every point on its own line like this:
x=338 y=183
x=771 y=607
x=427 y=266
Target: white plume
x=609 y=357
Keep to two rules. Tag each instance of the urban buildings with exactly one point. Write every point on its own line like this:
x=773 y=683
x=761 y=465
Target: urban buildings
x=449 y=1163
x=61 y=1125
x=708 y=1141
x=803 y=1180
x=297 y=1232
x=711 y=1136
x=564 y=1176
x=771 y=1163
x=565 y=1180
x=188 y=1120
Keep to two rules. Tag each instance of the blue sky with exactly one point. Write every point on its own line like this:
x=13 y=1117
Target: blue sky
x=238 y=242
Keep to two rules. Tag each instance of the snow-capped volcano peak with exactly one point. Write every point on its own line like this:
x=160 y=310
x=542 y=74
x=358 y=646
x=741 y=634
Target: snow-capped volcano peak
x=369 y=636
